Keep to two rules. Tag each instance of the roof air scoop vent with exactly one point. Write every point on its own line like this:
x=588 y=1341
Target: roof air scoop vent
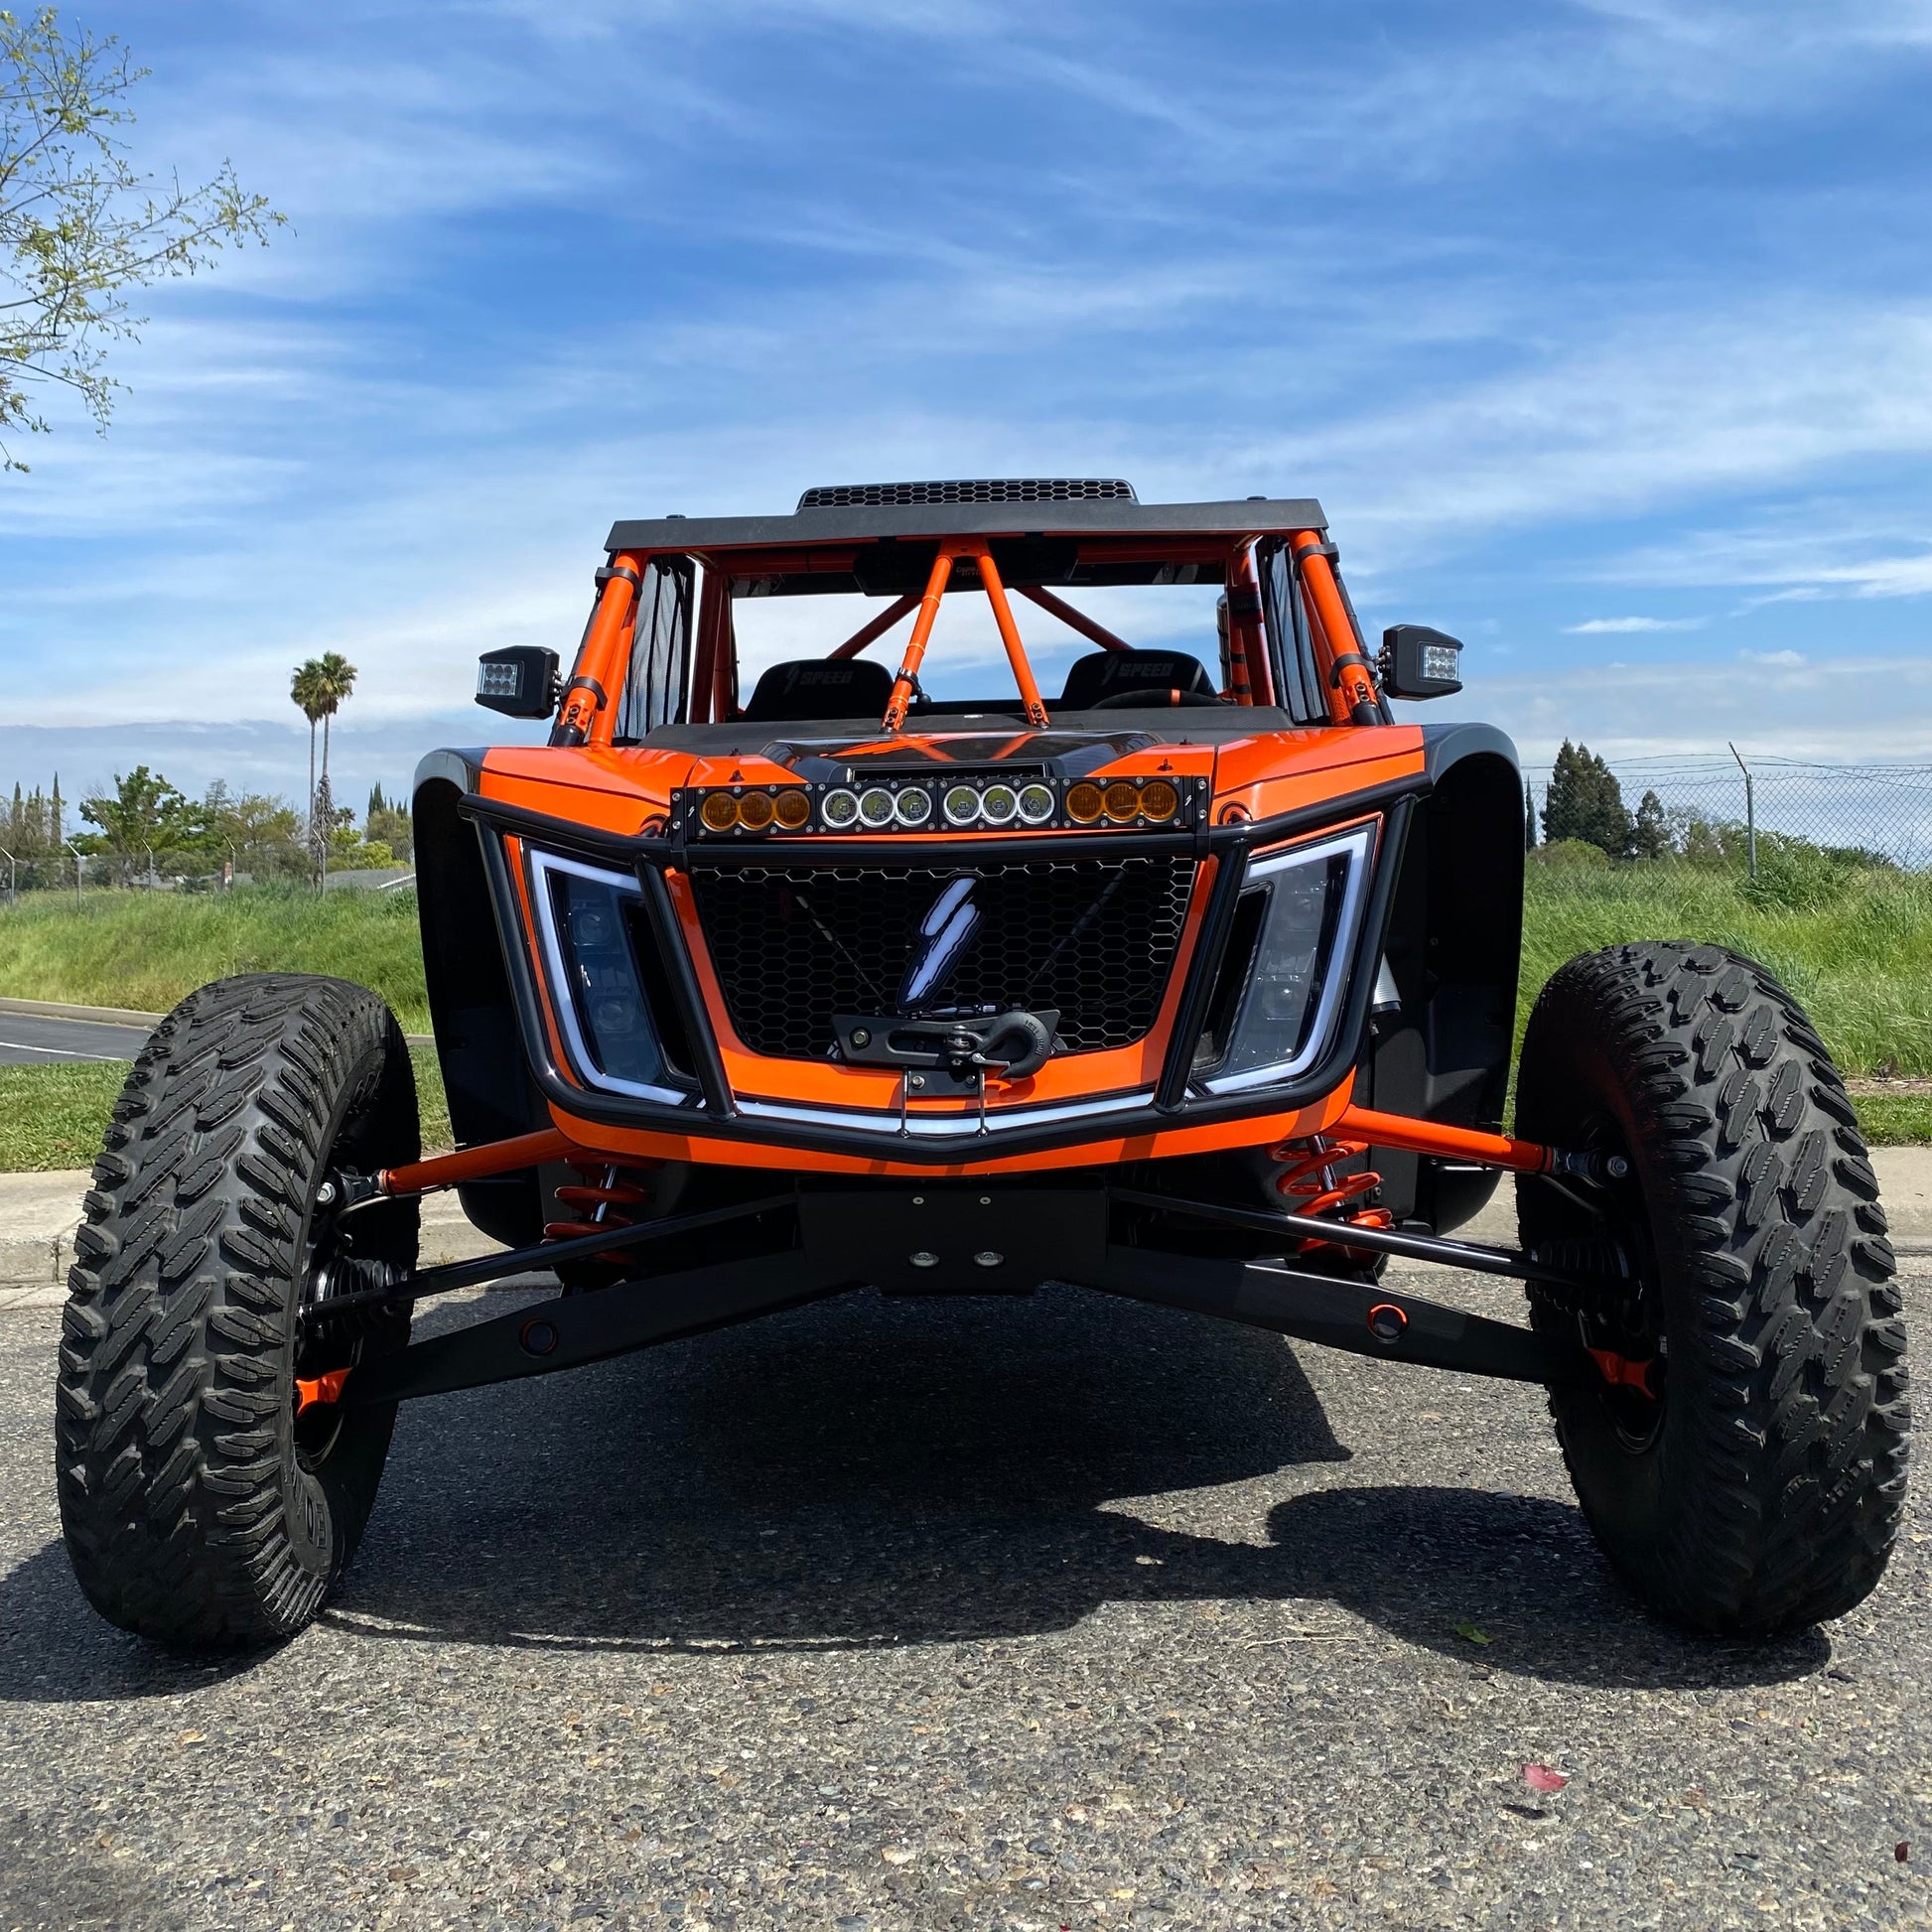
x=998 y=489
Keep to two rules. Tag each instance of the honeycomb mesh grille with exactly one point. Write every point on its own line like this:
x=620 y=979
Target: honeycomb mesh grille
x=1095 y=939
x=1008 y=490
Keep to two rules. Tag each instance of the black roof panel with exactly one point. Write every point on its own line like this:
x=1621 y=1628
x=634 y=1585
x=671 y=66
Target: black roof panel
x=865 y=522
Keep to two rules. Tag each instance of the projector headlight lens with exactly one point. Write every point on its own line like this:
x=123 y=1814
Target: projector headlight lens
x=1036 y=803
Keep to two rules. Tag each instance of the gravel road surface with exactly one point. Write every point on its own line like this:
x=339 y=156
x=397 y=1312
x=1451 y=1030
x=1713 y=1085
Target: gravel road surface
x=28 y=1039
x=879 y=1617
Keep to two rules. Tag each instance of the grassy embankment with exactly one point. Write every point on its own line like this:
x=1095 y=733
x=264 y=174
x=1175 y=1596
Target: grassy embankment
x=1858 y=952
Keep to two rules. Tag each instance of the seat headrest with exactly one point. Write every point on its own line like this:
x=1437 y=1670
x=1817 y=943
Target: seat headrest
x=820 y=687
x=1108 y=673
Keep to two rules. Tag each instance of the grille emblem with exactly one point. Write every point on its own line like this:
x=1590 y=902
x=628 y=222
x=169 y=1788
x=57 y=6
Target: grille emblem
x=945 y=930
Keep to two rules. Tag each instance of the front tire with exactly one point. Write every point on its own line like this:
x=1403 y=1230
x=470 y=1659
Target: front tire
x=1760 y=1488
x=199 y=1510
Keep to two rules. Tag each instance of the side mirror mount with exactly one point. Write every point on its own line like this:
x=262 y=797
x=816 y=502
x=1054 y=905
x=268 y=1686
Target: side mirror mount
x=520 y=683
x=1417 y=663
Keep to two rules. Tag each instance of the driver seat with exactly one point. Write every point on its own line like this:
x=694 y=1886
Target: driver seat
x=1116 y=674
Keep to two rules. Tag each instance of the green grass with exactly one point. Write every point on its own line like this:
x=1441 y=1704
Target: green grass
x=146 y=950
x=1857 y=951
x=1859 y=957
x=53 y=1117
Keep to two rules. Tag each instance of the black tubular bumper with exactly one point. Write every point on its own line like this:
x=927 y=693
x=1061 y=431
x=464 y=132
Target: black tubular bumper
x=715 y=1112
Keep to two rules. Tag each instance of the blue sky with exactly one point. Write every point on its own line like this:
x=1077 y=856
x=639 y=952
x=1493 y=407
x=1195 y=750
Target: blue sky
x=1603 y=329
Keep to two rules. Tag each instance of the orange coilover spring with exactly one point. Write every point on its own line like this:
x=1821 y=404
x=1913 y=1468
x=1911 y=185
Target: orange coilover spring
x=607 y=1197
x=1310 y=1185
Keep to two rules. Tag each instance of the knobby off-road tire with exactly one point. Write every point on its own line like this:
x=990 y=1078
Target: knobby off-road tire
x=198 y=1511
x=1764 y=1492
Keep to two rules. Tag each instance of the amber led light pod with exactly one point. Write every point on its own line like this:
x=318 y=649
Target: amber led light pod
x=1122 y=801
x=719 y=812
x=1158 y=799
x=756 y=810
x=793 y=809
x=1084 y=804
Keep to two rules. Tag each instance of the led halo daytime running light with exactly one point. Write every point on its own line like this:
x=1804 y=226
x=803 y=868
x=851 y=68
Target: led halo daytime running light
x=961 y=805
x=876 y=807
x=999 y=804
x=1084 y=804
x=839 y=808
x=719 y=812
x=1035 y=804
x=913 y=806
x=756 y=810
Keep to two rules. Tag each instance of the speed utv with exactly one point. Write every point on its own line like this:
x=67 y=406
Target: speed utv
x=1193 y=982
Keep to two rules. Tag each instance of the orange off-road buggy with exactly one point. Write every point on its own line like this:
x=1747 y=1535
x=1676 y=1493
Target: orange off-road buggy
x=1194 y=983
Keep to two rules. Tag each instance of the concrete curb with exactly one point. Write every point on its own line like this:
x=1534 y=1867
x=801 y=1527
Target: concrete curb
x=122 y=1016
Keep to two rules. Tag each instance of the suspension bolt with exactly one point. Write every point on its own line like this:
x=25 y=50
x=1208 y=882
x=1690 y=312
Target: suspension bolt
x=1616 y=1167
x=326 y=1195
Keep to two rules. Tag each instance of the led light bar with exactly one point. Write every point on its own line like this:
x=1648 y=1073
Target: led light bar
x=894 y=805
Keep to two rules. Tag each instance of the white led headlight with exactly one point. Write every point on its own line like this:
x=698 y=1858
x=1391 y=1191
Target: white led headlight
x=1296 y=922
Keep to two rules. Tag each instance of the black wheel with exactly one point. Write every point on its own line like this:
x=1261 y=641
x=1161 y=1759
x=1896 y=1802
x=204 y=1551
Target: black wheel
x=201 y=1509
x=1745 y=1469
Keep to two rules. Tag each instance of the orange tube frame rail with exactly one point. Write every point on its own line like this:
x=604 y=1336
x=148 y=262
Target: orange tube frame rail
x=877 y=626
x=1349 y=685
x=1072 y=618
x=589 y=712
x=996 y=595
x=475 y=1162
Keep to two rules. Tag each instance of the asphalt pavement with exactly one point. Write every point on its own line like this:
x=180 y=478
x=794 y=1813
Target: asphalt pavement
x=881 y=1616
x=32 y=1039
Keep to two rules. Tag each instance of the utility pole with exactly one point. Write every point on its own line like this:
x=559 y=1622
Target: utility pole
x=13 y=876
x=1751 y=812
x=79 y=865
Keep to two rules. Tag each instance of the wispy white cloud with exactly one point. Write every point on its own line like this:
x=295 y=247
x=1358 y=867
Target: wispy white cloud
x=1623 y=626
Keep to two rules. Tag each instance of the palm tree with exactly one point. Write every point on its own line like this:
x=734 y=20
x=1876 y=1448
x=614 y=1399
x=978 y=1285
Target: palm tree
x=306 y=690
x=337 y=679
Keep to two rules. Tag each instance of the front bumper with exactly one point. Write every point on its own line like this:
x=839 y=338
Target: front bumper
x=710 y=1112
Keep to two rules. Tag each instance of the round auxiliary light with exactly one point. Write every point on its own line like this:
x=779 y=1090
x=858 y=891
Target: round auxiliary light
x=1084 y=804
x=999 y=804
x=914 y=805
x=1122 y=801
x=961 y=805
x=794 y=809
x=1159 y=800
x=1036 y=803
x=719 y=812
x=839 y=808
x=875 y=806
x=756 y=810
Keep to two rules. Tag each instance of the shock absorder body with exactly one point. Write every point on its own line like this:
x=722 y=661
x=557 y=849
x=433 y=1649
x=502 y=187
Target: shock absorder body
x=1310 y=1185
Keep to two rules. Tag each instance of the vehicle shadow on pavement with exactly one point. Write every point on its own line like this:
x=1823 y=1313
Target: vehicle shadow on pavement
x=873 y=1473
x=868 y=1473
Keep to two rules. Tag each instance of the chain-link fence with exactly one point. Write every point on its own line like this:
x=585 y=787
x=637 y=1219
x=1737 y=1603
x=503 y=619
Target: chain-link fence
x=1712 y=806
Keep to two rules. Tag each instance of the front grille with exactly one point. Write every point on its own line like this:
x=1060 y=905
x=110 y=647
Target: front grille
x=1095 y=939
x=996 y=489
